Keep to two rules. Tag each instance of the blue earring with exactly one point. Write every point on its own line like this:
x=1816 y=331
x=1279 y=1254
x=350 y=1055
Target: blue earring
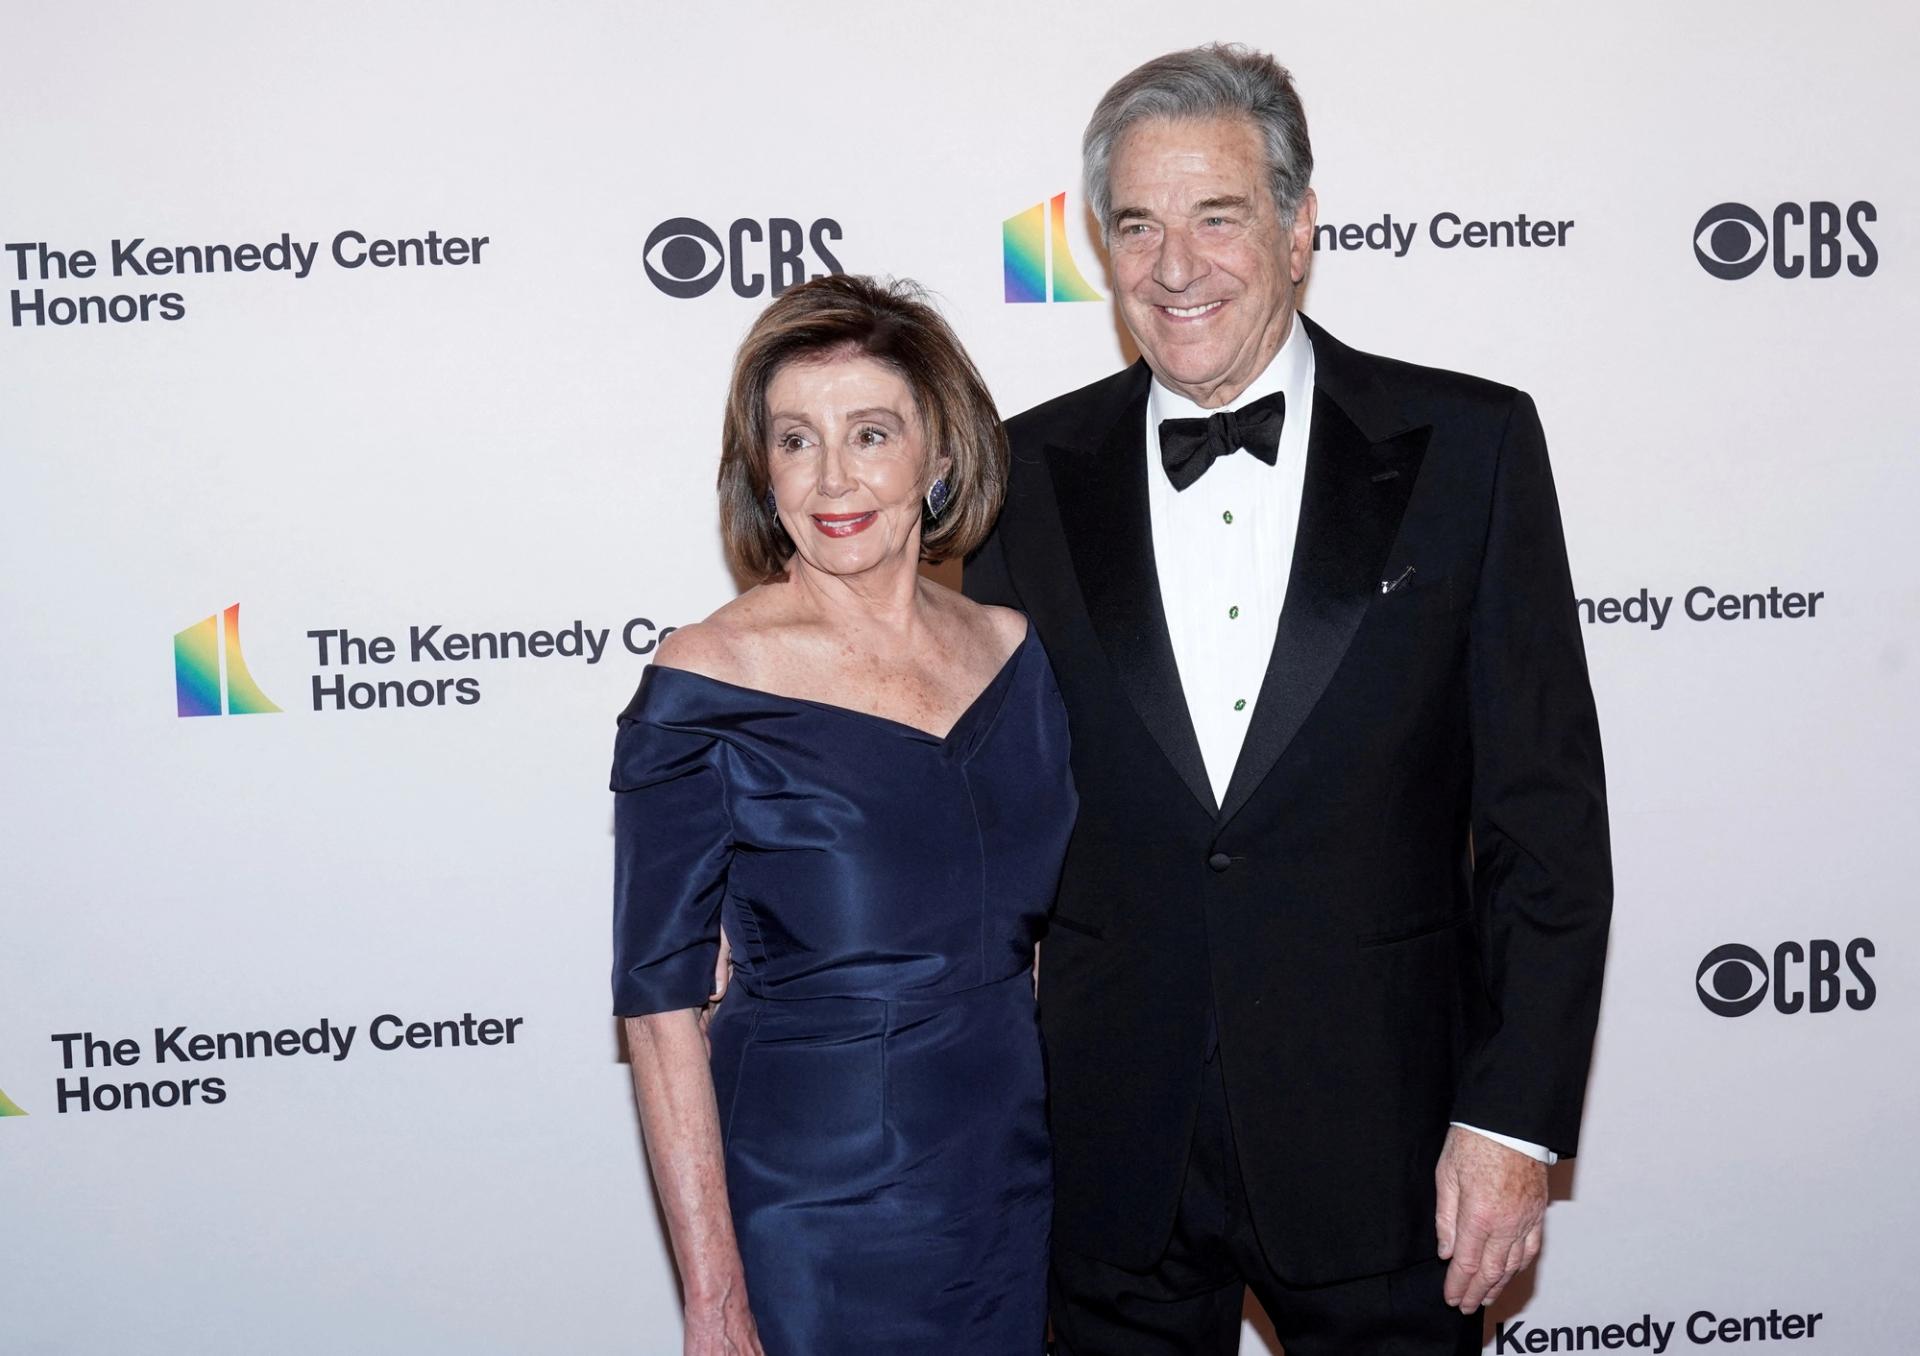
x=937 y=496
x=773 y=505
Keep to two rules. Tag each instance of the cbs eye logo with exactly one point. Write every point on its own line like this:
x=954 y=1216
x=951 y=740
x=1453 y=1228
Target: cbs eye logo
x=1735 y=979
x=685 y=258
x=1732 y=240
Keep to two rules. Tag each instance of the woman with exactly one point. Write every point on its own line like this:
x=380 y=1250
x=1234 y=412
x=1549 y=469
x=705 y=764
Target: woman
x=861 y=776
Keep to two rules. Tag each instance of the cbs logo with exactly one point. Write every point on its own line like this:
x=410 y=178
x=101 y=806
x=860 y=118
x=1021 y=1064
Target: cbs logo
x=685 y=257
x=1735 y=979
x=1732 y=240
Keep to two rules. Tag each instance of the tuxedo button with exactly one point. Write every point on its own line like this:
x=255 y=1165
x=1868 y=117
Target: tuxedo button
x=1219 y=861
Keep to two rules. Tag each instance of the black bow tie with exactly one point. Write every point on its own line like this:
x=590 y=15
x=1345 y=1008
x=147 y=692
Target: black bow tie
x=1189 y=446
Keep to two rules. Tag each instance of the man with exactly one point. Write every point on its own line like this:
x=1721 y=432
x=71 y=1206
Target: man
x=1321 y=985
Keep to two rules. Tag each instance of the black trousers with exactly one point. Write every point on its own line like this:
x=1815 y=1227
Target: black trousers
x=1189 y=1304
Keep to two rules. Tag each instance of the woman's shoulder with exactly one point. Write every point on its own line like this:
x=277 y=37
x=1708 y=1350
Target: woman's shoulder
x=1009 y=626
x=711 y=649
x=702 y=672
x=1004 y=627
x=729 y=646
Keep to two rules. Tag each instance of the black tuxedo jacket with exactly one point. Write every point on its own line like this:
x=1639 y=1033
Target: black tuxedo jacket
x=1398 y=918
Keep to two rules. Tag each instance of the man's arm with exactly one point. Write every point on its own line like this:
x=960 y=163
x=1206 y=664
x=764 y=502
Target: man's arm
x=1542 y=879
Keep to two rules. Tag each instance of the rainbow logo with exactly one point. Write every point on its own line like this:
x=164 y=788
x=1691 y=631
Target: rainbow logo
x=210 y=675
x=8 y=1107
x=1039 y=265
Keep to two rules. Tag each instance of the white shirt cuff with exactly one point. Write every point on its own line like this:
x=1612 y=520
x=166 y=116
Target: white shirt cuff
x=1538 y=1152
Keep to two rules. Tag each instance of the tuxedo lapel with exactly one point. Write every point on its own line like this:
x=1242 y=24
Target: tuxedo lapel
x=1359 y=475
x=1101 y=488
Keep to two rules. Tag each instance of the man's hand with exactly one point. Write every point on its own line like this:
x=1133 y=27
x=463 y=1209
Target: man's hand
x=1491 y=1201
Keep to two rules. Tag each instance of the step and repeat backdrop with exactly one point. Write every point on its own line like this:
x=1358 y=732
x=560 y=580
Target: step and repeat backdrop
x=361 y=372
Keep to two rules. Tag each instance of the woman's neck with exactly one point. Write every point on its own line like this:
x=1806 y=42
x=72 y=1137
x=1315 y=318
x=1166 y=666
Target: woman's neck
x=887 y=600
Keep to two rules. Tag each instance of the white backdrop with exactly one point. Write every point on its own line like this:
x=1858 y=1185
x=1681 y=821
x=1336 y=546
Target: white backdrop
x=527 y=441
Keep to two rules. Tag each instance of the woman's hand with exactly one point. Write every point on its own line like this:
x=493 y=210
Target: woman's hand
x=722 y=1326
x=722 y=976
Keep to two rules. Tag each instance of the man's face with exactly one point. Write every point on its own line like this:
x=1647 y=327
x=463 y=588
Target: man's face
x=1205 y=269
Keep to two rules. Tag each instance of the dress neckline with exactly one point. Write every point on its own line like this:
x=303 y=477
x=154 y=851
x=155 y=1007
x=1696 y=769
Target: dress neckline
x=960 y=722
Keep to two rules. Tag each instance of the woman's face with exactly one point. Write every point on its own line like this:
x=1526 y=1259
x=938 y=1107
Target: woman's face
x=848 y=462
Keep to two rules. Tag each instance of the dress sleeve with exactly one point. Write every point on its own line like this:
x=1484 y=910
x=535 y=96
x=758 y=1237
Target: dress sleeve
x=672 y=842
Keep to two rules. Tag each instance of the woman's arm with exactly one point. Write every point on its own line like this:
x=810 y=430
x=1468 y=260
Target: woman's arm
x=674 y=1088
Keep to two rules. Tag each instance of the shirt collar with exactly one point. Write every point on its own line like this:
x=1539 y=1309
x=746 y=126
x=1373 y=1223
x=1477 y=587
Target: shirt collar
x=1289 y=372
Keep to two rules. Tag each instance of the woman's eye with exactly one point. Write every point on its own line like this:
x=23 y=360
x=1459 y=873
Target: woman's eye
x=872 y=437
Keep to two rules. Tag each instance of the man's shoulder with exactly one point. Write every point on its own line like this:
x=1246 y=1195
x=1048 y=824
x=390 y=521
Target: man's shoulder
x=1066 y=418
x=1441 y=383
x=1419 y=393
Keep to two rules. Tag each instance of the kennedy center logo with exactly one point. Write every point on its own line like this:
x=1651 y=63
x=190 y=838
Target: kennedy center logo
x=210 y=676
x=1039 y=265
x=8 y=1107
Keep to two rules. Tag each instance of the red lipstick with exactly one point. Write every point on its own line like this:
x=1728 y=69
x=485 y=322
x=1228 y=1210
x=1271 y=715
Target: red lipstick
x=844 y=524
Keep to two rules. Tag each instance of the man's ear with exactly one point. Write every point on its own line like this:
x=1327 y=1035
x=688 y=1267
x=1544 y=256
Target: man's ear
x=1300 y=246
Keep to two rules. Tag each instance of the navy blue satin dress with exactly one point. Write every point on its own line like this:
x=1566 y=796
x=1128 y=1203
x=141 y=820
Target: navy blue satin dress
x=876 y=1060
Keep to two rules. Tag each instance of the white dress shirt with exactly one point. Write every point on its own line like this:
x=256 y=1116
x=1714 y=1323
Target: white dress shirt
x=1223 y=548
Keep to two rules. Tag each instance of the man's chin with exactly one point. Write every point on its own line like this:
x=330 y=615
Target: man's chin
x=1188 y=370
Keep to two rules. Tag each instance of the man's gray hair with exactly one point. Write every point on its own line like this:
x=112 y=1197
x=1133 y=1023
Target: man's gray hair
x=1220 y=80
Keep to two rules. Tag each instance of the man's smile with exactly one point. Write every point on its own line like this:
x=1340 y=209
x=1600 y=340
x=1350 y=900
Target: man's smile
x=1191 y=312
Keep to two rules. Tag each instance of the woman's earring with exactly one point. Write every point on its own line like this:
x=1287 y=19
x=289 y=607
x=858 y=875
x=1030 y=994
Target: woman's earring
x=773 y=505
x=937 y=496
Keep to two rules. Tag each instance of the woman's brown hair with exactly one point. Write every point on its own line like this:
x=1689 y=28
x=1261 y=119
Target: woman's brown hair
x=892 y=323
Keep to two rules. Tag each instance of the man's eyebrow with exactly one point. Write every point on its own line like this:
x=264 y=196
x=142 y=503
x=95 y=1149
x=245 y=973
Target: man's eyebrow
x=1120 y=214
x=1230 y=200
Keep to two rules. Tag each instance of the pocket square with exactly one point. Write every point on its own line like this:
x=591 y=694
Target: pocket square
x=1389 y=585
